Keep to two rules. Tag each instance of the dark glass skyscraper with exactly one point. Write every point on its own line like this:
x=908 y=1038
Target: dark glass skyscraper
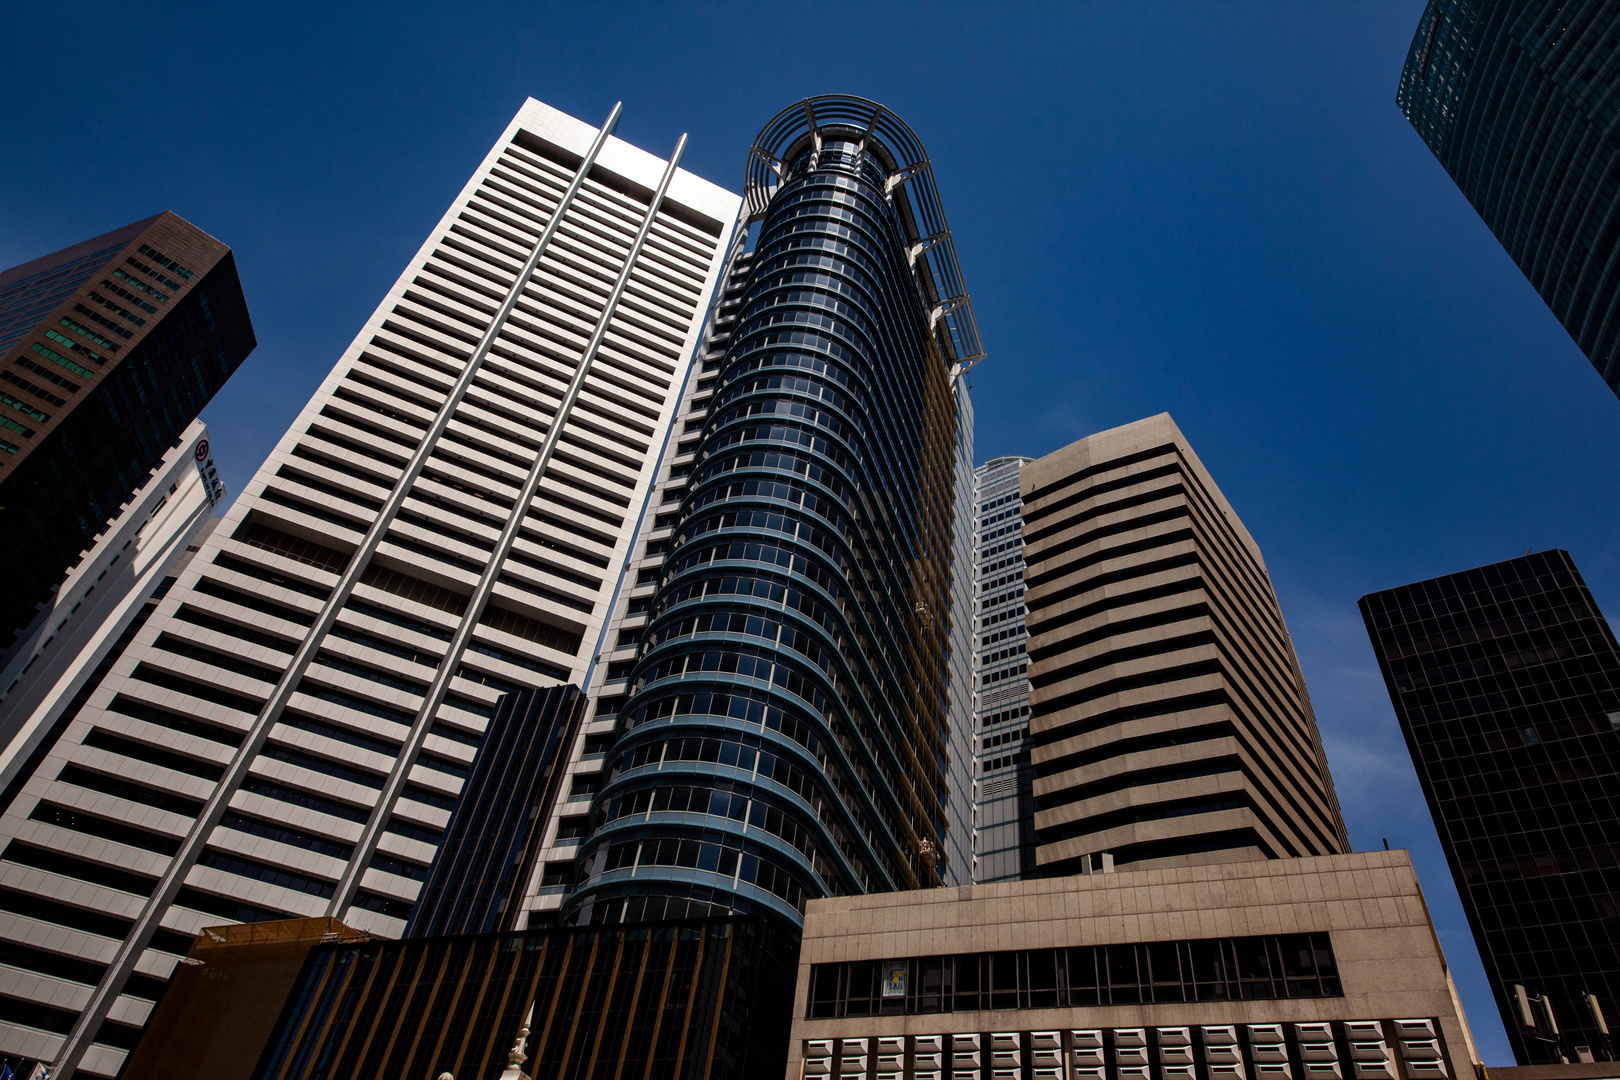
x=1506 y=681
x=785 y=733
x=1518 y=99
x=108 y=349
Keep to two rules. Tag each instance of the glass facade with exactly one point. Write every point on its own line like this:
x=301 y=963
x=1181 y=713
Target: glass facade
x=1263 y=967
x=785 y=736
x=697 y=999
x=1506 y=681
x=481 y=869
x=1518 y=99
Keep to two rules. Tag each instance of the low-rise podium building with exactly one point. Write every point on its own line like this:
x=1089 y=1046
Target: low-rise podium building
x=1322 y=968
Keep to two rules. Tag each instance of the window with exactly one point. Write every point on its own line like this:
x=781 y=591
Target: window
x=128 y=297
x=1268 y=967
x=141 y=285
x=62 y=361
x=87 y=333
x=64 y=340
x=28 y=387
x=102 y=320
x=153 y=274
x=116 y=309
x=26 y=409
x=164 y=261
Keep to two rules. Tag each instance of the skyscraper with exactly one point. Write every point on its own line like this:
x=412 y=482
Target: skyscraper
x=1506 y=682
x=108 y=349
x=784 y=735
x=1518 y=98
x=1004 y=800
x=102 y=604
x=444 y=522
x=1170 y=718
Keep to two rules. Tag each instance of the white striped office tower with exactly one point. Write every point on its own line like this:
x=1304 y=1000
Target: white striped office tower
x=448 y=518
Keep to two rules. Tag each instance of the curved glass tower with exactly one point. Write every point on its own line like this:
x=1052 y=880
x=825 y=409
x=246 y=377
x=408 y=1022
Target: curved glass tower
x=1518 y=99
x=785 y=734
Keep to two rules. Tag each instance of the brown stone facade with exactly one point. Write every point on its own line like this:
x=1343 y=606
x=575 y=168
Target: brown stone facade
x=1170 y=720
x=1389 y=970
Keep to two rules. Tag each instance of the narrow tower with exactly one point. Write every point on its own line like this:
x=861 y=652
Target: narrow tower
x=1004 y=825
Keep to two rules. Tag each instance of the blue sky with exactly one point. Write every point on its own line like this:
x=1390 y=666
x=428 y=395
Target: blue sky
x=1211 y=210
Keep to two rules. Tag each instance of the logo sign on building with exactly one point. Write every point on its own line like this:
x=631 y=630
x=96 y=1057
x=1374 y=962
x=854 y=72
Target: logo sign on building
x=894 y=978
x=213 y=486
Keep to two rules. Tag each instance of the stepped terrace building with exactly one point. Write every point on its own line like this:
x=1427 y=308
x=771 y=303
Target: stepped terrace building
x=1170 y=719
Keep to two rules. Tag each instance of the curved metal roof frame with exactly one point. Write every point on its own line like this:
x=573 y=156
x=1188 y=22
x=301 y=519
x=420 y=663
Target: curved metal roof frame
x=896 y=147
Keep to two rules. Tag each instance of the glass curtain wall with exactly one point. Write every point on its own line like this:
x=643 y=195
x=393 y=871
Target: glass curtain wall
x=785 y=733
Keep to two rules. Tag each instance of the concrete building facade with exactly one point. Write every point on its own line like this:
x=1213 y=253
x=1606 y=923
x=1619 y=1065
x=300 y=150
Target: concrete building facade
x=446 y=521
x=1169 y=715
x=1320 y=968
x=1004 y=773
x=102 y=602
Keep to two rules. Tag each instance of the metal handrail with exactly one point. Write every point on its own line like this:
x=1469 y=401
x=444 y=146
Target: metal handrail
x=805 y=126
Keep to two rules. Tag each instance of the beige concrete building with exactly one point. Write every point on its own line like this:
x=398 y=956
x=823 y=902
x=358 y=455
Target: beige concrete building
x=1169 y=717
x=1321 y=968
